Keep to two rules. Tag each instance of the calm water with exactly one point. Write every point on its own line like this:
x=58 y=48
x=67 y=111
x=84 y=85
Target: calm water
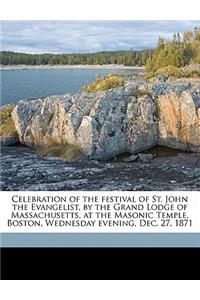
x=20 y=84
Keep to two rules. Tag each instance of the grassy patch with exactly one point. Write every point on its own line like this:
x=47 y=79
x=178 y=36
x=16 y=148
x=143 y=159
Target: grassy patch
x=149 y=75
x=104 y=83
x=191 y=73
x=7 y=127
x=64 y=151
x=174 y=72
x=170 y=71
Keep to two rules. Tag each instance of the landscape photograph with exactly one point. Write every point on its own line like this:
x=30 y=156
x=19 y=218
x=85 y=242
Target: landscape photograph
x=100 y=105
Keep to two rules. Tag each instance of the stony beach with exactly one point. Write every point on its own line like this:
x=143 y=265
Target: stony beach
x=22 y=169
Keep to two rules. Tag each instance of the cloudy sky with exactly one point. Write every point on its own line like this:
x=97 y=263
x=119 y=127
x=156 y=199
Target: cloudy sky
x=86 y=36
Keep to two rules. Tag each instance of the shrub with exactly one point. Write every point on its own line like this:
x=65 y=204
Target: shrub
x=192 y=73
x=64 y=151
x=7 y=127
x=170 y=71
x=149 y=75
x=98 y=76
x=174 y=72
x=105 y=83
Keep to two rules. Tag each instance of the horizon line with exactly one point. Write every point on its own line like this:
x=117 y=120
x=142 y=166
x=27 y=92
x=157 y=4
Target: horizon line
x=81 y=53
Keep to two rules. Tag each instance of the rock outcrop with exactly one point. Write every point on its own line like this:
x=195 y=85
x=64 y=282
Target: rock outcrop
x=128 y=119
x=103 y=125
x=178 y=115
x=22 y=169
x=179 y=122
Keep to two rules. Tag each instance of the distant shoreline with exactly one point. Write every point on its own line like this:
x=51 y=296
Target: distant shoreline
x=41 y=67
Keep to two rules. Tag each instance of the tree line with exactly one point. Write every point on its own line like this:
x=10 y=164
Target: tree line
x=182 y=50
x=127 y=58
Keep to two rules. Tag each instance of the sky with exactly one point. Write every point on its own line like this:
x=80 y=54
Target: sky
x=86 y=36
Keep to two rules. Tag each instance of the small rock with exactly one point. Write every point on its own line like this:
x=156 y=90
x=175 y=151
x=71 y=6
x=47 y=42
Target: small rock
x=145 y=157
x=2 y=185
x=138 y=187
x=162 y=78
x=130 y=158
x=197 y=104
x=173 y=181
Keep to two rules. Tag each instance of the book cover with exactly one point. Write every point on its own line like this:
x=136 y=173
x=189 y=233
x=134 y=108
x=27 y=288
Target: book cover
x=100 y=141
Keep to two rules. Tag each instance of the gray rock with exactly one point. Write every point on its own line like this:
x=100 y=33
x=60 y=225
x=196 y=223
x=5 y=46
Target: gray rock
x=128 y=119
x=22 y=169
x=179 y=120
x=102 y=125
x=161 y=78
x=197 y=104
x=130 y=158
x=145 y=157
x=178 y=87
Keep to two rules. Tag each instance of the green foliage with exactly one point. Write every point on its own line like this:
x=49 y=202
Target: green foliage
x=149 y=75
x=98 y=76
x=174 y=72
x=7 y=128
x=127 y=58
x=177 y=53
x=170 y=71
x=64 y=151
x=192 y=73
x=104 y=83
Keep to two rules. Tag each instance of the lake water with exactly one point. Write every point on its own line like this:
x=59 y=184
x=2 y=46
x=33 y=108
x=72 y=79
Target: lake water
x=20 y=84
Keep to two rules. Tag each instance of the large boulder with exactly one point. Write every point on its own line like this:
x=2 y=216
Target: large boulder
x=128 y=119
x=53 y=119
x=102 y=125
x=179 y=120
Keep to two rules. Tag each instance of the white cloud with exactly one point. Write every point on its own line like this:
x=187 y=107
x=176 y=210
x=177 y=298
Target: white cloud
x=86 y=36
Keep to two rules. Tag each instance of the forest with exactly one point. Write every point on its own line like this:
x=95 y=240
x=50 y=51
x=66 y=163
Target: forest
x=182 y=50
x=127 y=58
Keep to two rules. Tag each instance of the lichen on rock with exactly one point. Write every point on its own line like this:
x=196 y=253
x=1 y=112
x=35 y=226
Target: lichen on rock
x=179 y=122
x=127 y=119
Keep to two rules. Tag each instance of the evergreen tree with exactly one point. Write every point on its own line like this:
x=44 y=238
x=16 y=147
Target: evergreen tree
x=180 y=51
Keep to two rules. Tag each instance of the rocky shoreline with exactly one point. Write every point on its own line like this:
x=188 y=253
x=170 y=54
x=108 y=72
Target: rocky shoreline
x=129 y=119
x=41 y=67
x=122 y=121
x=25 y=170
